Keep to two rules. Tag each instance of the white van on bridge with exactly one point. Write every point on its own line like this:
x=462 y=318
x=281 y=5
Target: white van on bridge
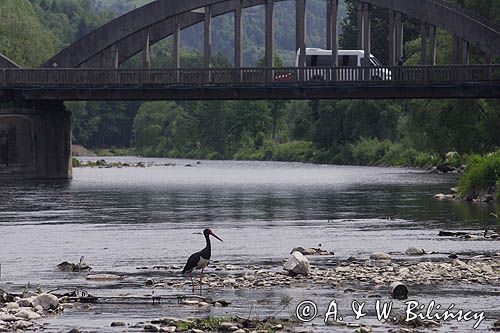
x=348 y=62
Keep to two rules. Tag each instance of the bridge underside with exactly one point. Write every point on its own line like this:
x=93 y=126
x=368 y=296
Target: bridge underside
x=374 y=91
x=35 y=141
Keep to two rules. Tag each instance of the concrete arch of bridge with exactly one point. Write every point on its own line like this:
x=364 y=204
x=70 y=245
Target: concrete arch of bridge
x=125 y=36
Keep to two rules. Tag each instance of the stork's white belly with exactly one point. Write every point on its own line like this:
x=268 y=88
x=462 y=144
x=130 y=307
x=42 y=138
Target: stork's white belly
x=202 y=263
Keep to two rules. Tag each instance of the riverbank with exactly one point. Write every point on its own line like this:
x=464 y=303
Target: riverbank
x=366 y=152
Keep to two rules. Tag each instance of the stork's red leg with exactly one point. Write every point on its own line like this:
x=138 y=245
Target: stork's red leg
x=192 y=282
x=201 y=280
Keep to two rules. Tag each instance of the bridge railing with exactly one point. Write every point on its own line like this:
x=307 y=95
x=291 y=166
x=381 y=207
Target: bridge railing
x=384 y=75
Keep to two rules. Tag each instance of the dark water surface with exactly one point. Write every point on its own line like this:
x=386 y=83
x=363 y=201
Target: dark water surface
x=121 y=219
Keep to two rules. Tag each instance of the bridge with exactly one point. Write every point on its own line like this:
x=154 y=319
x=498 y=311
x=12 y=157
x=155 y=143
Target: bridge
x=385 y=82
x=35 y=128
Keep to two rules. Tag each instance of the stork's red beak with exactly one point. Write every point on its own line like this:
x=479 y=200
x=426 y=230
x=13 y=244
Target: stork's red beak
x=212 y=233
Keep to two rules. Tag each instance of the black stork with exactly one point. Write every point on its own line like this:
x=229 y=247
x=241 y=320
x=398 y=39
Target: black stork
x=199 y=260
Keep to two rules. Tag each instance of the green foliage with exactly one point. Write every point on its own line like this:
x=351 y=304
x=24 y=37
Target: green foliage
x=481 y=175
x=76 y=163
x=22 y=37
x=296 y=151
x=207 y=324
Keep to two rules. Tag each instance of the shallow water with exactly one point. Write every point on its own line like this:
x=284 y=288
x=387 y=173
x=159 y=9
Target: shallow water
x=121 y=219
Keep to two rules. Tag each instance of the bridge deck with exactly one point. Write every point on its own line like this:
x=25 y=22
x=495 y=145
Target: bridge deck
x=455 y=81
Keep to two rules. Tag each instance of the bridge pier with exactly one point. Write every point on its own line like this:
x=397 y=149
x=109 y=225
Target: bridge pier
x=35 y=141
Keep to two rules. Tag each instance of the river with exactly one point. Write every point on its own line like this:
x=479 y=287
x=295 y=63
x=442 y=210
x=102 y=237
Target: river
x=124 y=218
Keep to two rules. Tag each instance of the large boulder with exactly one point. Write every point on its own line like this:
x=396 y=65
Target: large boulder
x=297 y=264
x=46 y=301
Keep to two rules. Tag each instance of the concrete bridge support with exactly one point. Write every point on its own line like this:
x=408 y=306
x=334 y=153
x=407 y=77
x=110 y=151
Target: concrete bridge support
x=207 y=30
x=432 y=44
x=399 y=37
x=332 y=36
x=269 y=40
x=366 y=33
x=300 y=34
x=423 y=43
x=177 y=44
x=146 y=56
x=35 y=141
x=238 y=36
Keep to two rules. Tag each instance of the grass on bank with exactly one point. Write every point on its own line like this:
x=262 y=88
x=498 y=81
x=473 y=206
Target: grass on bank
x=482 y=176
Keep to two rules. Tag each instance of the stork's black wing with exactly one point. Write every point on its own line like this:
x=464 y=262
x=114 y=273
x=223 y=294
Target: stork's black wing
x=192 y=262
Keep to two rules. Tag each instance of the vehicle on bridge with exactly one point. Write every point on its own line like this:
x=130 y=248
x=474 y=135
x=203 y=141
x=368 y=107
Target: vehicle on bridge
x=319 y=63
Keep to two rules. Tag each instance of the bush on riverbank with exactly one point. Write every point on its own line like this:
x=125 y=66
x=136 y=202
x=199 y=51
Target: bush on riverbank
x=116 y=152
x=370 y=151
x=481 y=177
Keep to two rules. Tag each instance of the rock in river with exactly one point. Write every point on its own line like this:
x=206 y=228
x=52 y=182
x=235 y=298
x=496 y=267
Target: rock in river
x=413 y=251
x=104 y=277
x=46 y=301
x=297 y=264
x=380 y=256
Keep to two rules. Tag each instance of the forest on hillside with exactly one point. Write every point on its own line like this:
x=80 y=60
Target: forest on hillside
x=408 y=132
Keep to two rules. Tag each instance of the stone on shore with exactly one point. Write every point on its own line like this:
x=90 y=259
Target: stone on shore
x=413 y=251
x=380 y=256
x=297 y=264
x=26 y=302
x=46 y=301
x=28 y=314
x=7 y=317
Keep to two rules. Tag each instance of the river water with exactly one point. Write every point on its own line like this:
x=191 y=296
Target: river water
x=122 y=219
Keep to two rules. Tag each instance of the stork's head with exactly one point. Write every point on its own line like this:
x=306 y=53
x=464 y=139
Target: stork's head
x=208 y=232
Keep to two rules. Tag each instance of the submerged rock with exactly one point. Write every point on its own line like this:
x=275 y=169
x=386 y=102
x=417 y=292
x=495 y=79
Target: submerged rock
x=72 y=267
x=380 y=256
x=104 y=277
x=297 y=264
x=312 y=251
x=117 y=324
x=413 y=251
